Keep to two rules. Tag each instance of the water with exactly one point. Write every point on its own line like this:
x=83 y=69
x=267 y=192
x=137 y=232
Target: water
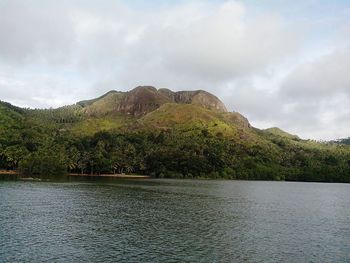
x=174 y=221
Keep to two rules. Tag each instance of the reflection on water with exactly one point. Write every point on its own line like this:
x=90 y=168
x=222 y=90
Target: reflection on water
x=174 y=221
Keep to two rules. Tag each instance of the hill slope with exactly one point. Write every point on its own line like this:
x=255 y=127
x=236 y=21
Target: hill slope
x=164 y=134
x=11 y=119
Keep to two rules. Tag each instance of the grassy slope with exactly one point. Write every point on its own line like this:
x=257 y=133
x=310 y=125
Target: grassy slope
x=281 y=133
x=187 y=117
x=92 y=125
x=104 y=105
x=85 y=103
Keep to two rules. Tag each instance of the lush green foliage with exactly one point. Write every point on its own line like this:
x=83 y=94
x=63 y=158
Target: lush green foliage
x=343 y=141
x=173 y=142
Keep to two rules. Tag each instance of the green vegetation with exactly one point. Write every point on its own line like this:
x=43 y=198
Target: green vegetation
x=343 y=141
x=174 y=141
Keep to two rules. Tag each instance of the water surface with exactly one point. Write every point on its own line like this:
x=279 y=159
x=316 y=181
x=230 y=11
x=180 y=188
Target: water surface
x=174 y=221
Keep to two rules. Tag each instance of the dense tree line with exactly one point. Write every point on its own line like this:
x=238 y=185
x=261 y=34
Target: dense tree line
x=66 y=114
x=39 y=150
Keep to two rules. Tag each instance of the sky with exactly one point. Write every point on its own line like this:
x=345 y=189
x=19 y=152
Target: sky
x=281 y=63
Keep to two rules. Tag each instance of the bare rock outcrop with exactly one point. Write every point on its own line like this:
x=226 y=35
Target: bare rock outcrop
x=144 y=99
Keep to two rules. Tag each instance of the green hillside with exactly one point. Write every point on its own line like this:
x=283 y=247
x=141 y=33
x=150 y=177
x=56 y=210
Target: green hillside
x=11 y=121
x=103 y=105
x=342 y=141
x=10 y=116
x=280 y=133
x=141 y=132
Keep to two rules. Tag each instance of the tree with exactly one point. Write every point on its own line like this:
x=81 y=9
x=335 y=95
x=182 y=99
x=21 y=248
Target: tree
x=49 y=160
x=14 y=154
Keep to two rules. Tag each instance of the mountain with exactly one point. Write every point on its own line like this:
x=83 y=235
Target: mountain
x=145 y=99
x=184 y=134
x=146 y=107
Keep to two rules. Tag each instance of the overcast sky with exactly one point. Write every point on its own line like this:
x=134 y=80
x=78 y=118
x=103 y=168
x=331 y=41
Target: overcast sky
x=282 y=63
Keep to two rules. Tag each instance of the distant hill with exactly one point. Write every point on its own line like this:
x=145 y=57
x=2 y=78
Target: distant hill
x=342 y=141
x=277 y=131
x=184 y=134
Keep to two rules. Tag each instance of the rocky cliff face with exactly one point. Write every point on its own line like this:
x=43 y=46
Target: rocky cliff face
x=197 y=97
x=141 y=101
x=145 y=99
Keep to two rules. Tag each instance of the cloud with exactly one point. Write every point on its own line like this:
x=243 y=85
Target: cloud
x=57 y=52
x=186 y=42
x=311 y=100
x=220 y=46
x=214 y=41
x=203 y=44
x=320 y=93
x=33 y=33
x=42 y=90
x=321 y=79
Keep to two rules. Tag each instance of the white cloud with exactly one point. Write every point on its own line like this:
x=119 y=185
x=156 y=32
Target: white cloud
x=320 y=79
x=320 y=92
x=57 y=52
x=33 y=33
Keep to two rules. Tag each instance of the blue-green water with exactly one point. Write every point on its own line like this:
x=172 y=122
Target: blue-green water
x=174 y=221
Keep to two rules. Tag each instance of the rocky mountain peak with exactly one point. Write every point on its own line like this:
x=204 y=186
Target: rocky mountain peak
x=144 y=99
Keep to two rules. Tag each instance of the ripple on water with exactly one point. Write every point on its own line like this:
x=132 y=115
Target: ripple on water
x=174 y=221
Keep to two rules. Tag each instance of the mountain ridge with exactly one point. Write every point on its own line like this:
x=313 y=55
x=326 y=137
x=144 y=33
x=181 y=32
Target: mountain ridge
x=145 y=99
x=158 y=132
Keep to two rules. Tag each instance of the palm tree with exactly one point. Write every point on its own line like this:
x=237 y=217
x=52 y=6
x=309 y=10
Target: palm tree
x=129 y=169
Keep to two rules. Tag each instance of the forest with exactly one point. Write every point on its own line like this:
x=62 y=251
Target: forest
x=49 y=147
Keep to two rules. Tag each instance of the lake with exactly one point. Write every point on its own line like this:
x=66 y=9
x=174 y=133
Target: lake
x=174 y=221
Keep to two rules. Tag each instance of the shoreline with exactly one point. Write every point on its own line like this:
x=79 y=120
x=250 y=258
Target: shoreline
x=125 y=176
x=121 y=176
x=5 y=172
